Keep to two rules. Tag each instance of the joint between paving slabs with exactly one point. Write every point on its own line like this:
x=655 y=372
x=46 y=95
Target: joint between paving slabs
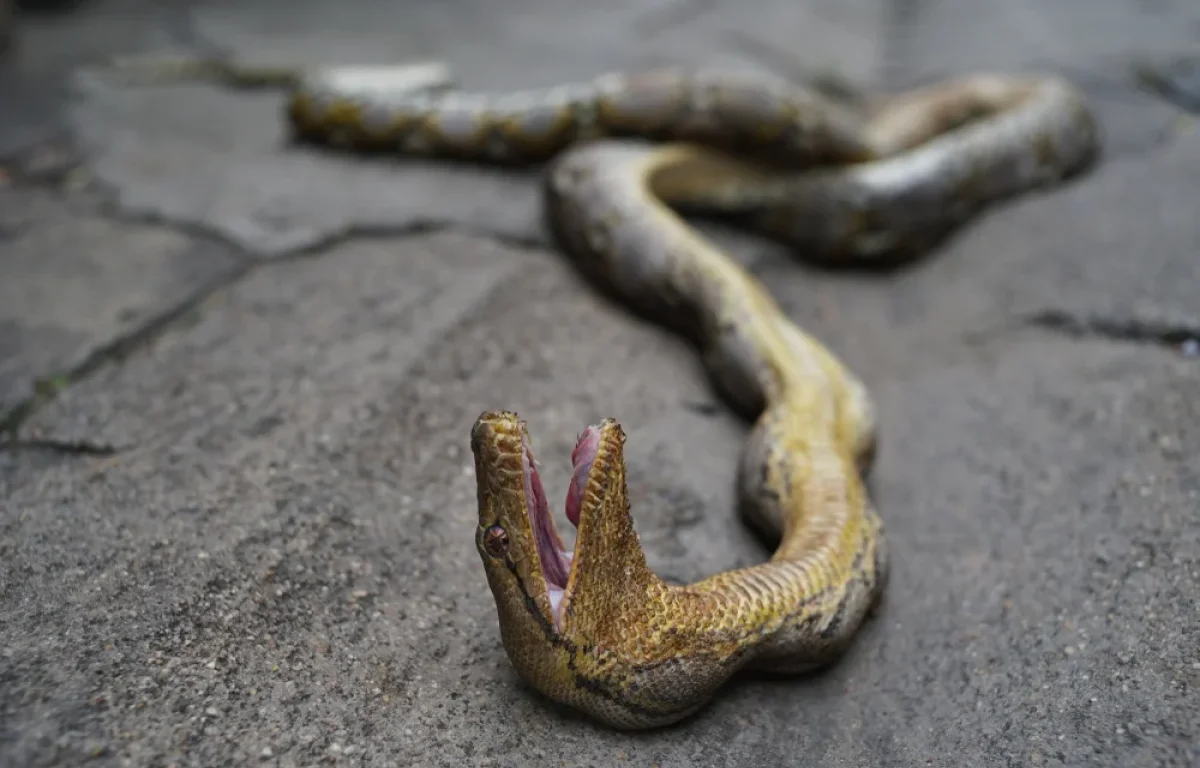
x=1182 y=336
x=69 y=174
x=317 y=246
x=61 y=447
x=421 y=227
x=112 y=208
x=49 y=387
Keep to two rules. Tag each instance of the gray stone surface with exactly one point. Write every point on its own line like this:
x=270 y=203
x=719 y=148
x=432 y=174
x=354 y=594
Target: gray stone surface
x=276 y=567
x=50 y=40
x=76 y=282
x=1095 y=42
x=200 y=155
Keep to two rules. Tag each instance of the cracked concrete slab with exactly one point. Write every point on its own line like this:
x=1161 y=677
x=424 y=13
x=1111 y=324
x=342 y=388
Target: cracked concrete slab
x=281 y=543
x=276 y=566
x=203 y=156
x=1118 y=243
x=84 y=282
x=215 y=160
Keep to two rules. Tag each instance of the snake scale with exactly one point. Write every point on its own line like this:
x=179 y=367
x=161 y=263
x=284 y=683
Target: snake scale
x=595 y=628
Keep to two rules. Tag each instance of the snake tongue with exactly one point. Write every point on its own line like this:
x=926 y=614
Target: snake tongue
x=549 y=545
x=581 y=462
x=555 y=561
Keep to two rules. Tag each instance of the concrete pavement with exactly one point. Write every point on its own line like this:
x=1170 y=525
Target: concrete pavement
x=236 y=521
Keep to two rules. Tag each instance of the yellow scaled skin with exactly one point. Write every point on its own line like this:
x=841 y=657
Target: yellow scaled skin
x=631 y=650
x=625 y=647
x=871 y=188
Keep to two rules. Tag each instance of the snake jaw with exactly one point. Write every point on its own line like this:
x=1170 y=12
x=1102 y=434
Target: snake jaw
x=553 y=558
x=513 y=508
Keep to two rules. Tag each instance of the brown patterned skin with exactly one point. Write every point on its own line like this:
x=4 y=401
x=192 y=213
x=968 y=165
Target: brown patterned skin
x=837 y=185
x=622 y=645
x=628 y=648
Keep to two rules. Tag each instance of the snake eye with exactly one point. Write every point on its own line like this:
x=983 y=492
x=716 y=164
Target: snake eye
x=495 y=541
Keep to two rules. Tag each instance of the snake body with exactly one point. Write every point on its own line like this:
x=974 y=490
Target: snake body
x=595 y=628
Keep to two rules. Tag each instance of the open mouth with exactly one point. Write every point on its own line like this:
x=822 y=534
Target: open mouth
x=554 y=557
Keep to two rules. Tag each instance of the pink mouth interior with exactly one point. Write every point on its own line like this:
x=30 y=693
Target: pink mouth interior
x=581 y=465
x=556 y=561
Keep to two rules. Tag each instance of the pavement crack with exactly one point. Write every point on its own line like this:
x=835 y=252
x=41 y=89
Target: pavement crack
x=417 y=227
x=1181 y=335
x=48 y=388
x=1175 y=80
x=65 y=447
x=318 y=244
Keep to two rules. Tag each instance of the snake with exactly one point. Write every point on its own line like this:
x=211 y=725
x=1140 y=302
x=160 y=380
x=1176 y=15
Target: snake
x=624 y=159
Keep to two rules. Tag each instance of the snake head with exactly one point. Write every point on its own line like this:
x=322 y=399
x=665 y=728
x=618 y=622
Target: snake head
x=553 y=602
x=525 y=559
x=526 y=562
x=586 y=628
